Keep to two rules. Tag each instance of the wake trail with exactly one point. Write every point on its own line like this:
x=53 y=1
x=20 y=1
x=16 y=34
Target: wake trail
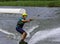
x=41 y=35
x=6 y=32
x=10 y=35
x=31 y=29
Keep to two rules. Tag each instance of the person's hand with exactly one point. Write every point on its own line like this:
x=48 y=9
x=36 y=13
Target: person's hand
x=30 y=19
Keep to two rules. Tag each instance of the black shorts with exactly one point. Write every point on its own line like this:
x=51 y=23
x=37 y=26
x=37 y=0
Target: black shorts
x=20 y=30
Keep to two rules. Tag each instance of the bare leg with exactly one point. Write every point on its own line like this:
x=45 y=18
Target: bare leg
x=24 y=35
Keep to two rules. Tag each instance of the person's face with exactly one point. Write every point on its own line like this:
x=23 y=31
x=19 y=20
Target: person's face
x=24 y=17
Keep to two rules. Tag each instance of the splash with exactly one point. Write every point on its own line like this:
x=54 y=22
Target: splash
x=41 y=35
x=31 y=29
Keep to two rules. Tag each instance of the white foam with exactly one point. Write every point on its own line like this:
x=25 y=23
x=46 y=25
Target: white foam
x=6 y=32
x=12 y=10
x=31 y=29
x=41 y=35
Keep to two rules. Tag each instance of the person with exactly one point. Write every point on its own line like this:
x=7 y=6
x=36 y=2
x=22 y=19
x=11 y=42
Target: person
x=20 y=24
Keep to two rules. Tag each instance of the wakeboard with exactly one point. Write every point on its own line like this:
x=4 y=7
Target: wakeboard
x=23 y=42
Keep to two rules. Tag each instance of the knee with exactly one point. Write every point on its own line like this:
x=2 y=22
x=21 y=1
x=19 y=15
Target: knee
x=25 y=33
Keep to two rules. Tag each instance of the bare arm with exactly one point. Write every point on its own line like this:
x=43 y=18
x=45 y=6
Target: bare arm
x=27 y=20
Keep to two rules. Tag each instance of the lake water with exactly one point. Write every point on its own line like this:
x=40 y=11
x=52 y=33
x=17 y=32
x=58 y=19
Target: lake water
x=45 y=29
